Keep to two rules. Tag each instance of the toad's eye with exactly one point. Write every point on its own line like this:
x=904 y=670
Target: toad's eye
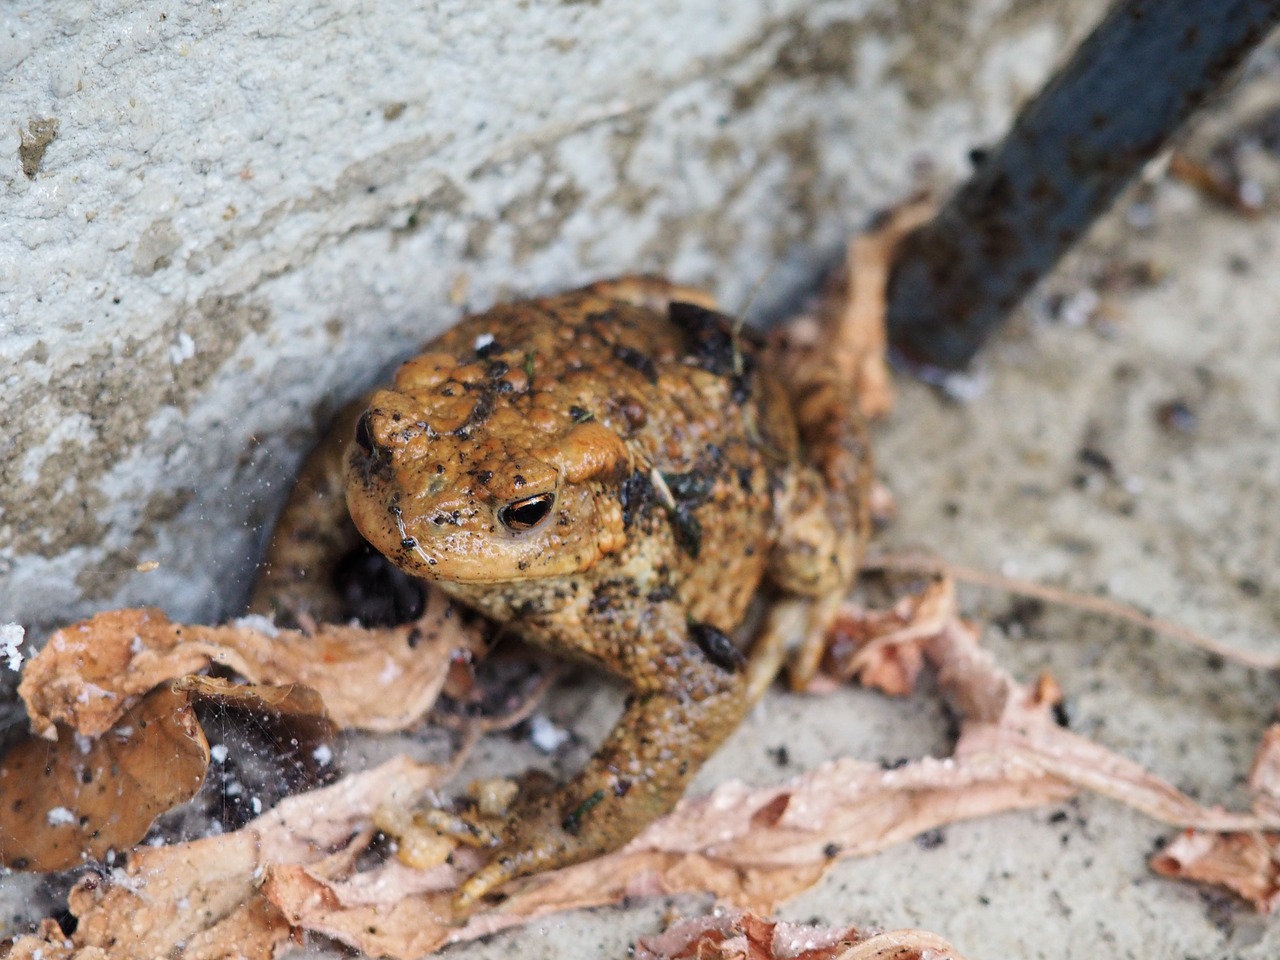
x=527 y=513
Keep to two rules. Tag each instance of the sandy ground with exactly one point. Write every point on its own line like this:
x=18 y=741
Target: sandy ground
x=1124 y=445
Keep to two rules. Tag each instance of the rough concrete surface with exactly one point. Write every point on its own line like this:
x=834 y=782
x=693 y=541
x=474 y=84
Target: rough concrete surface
x=248 y=210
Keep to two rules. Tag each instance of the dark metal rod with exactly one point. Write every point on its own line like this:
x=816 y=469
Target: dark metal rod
x=1145 y=68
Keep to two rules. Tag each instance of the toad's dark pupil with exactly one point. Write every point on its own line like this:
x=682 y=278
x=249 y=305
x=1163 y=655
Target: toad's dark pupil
x=527 y=513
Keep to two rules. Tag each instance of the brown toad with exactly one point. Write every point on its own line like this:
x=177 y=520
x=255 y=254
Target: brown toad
x=614 y=472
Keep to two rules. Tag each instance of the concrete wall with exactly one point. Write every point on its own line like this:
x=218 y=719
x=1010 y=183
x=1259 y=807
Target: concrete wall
x=222 y=220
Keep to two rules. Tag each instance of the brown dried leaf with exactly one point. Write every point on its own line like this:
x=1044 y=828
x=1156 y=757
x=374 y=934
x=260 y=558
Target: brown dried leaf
x=856 y=299
x=1248 y=864
x=1245 y=862
x=1224 y=186
x=69 y=800
x=883 y=648
x=287 y=700
x=204 y=894
x=291 y=707
x=1015 y=722
x=377 y=679
x=721 y=843
x=728 y=935
x=1264 y=777
x=119 y=923
x=401 y=920
x=902 y=945
x=923 y=563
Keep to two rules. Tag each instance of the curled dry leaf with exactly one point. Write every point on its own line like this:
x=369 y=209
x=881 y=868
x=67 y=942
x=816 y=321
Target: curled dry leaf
x=375 y=679
x=65 y=801
x=729 y=935
x=286 y=700
x=204 y=894
x=752 y=847
x=1015 y=722
x=1247 y=864
x=72 y=800
x=853 y=304
x=924 y=563
x=295 y=708
x=884 y=647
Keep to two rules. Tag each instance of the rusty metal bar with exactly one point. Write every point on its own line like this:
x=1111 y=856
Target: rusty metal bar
x=1145 y=68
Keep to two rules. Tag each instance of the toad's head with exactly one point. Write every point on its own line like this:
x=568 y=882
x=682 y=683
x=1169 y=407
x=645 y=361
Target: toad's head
x=464 y=472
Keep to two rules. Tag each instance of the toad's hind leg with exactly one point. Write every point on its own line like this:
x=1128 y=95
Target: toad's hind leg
x=831 y=364
x=817 y=574
x=825 y=517
x=312 y=533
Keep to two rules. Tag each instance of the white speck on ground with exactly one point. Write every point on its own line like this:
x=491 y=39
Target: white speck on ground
x=545 y=735
x=11 y=636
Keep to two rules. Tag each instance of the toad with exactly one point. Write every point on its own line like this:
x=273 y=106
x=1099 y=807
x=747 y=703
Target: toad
x=614 y=474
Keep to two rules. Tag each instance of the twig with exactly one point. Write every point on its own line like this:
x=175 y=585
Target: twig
x=917 y=563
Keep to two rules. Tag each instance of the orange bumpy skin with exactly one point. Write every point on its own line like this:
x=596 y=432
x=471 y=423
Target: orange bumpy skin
x=612 y=472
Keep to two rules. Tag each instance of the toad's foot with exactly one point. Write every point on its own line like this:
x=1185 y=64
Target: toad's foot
x=795 y=634
x=536 y=838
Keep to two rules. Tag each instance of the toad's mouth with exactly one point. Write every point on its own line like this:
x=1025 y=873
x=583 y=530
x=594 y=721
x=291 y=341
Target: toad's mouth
x=447 y=552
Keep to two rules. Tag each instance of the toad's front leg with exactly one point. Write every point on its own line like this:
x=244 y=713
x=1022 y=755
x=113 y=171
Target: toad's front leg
x=664 y=735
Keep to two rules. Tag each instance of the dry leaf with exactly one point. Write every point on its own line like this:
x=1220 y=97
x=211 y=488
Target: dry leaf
x=883 y=648
x=1248 y=864
x=919 y=563
x=378 y=679
x=858 y=296
x=204 y=894
x=287 y=700
x=752 y=847
x=74 y=799
x=844 y=340
x=1264 y=776
x=729 y=935
x=293 y=707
